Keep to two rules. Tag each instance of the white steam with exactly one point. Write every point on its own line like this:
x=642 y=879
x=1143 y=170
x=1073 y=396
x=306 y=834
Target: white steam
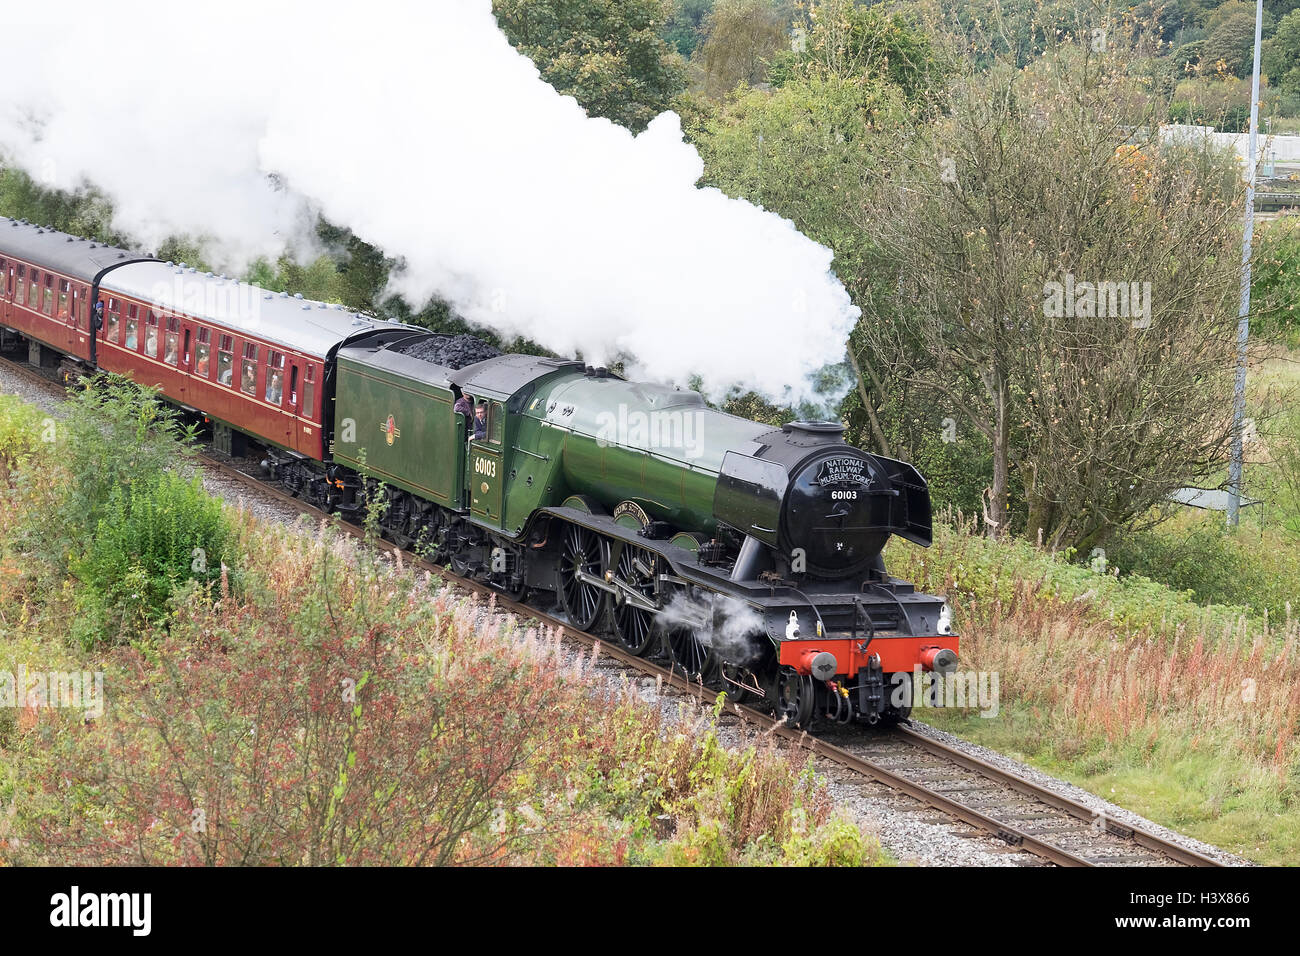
x=417 y=126
x=732 y=628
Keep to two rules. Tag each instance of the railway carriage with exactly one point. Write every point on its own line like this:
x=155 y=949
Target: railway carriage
x=48 y=284
x=750 y=555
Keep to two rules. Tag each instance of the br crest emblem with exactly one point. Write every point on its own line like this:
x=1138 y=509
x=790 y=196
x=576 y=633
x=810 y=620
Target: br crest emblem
x=390 y=430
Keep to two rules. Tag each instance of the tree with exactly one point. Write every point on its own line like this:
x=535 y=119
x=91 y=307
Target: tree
x=682 y=32
x=606 y=54
x=1229 y=44
x=740 y=38
x=838 y=38
x=1280 y=57
x=1086 y=332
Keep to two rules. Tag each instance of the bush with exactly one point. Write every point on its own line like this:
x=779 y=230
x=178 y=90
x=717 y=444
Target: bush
x=158 y=532
x=112 y=432
x=21 y=430
x=1215 y=565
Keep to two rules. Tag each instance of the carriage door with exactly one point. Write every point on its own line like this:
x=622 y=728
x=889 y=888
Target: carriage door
x=293 y=406
x=484 y=474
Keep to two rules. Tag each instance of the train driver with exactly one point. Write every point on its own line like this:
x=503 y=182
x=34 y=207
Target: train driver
x=480 y=420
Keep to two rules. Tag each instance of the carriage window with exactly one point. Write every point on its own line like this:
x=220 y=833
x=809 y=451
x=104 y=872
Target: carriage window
x=226 y=360
x=293 y=387
x=151 y=335
x=309 y=392
x=47 y=305
x=248 y=371
x=274 y=377
x=34 y=291
x=64 y=288
x=132 y=333
x=201 y=354
x=112 y=320
x=22 y=280
x=172 y=341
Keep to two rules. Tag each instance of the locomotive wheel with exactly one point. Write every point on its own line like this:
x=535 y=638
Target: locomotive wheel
x=692 y=655
x=633 y=626
x=795 y=694
x=585 y=551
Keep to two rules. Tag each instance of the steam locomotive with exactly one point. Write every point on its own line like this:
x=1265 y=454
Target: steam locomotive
x=750 y=555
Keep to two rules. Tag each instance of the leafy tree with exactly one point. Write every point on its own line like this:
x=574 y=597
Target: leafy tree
x=1280 y=57
x=1222 y=103
x=683 y=31
x=838 y=38
x=84 y=213
x=1099 y=407
x=1230 y=40
x=741 y=37
x=607 y=54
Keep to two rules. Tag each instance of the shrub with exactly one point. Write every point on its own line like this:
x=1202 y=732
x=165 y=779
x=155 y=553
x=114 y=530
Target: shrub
x=156 y=533
x=112 y=433
x=1216 y=566
x=22 y=428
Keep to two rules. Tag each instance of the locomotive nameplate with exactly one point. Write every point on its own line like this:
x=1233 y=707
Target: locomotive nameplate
x=634 y=511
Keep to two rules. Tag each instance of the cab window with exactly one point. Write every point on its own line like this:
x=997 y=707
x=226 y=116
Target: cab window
x=496 y=423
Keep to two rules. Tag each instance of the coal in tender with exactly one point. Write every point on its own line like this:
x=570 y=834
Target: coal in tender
x=450 y=351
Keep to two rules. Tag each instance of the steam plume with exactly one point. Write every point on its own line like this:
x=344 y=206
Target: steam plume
x=417 y=126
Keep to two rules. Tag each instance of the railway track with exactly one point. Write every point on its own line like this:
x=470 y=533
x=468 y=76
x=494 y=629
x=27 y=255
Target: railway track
x=1023 y=814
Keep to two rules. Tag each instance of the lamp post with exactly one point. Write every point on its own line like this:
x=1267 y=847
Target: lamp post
x=1243 y=313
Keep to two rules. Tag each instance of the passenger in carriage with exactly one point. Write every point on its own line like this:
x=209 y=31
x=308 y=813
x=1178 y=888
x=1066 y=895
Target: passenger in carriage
x=273 y=389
